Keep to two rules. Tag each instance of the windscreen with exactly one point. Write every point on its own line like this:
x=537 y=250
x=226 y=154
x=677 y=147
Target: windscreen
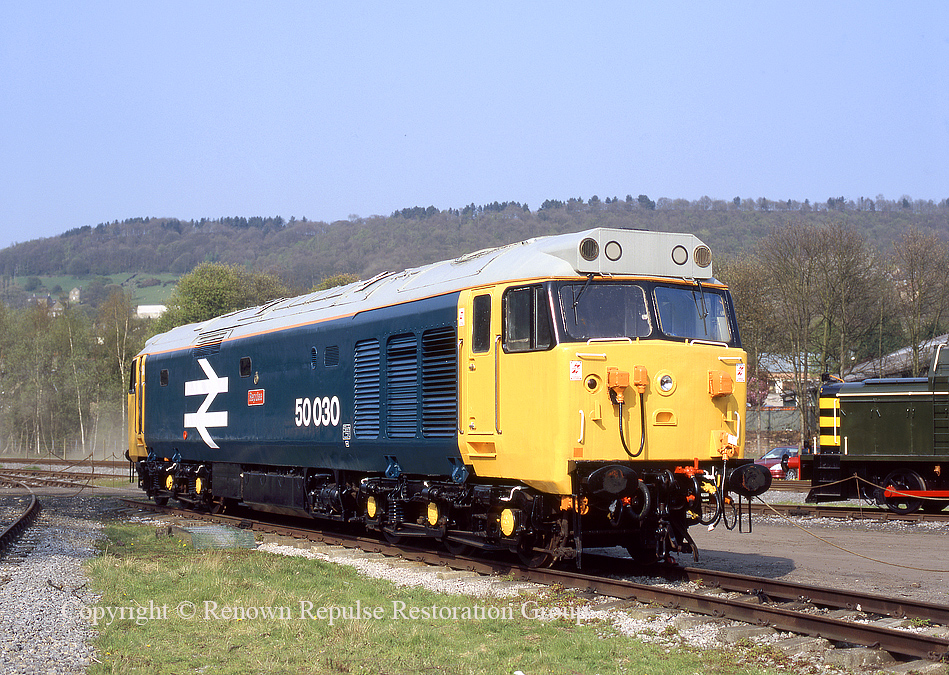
x=692 y=312
x=604 y=310
x=598 y=309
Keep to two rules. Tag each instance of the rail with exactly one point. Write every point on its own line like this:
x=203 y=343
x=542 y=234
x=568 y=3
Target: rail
x=41 y=478
x=870 y=512
x=12 y=531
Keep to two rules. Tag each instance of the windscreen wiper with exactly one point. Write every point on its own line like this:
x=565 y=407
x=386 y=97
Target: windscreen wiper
x=703 y=312
x=576 y=300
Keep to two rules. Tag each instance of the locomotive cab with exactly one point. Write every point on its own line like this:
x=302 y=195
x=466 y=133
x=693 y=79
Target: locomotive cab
x=136 y=410
x=640 y=379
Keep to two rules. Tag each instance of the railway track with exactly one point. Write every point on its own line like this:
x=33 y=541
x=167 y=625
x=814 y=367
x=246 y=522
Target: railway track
x=869 y=512
x=785 y=606
x=50 y=461
x=42 y=478
x=18 y=511
x=790 y=486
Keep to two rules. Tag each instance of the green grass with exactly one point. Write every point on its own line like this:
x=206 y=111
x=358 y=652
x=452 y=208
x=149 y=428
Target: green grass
x=210 y=624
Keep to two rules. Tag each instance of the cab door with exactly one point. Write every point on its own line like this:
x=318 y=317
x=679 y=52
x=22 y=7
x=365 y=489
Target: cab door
x=136 y=410
x=481 y=336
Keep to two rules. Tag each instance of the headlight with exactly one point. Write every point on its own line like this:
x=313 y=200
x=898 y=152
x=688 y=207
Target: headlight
x=666 y=383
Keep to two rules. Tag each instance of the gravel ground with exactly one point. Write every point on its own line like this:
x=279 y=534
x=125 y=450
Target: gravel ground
x=42 y=587
x=424 y=576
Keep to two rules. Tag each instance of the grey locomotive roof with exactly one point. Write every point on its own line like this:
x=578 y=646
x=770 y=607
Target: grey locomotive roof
x=619 y=252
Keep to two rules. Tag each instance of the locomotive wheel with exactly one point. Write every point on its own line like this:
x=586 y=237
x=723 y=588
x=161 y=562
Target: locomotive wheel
x=904 y=479
x=530 y=556
x=161 y=501
x=217 y=505
x=641 y=553
x=391 y=537
x=934 y=505
x=457 y=547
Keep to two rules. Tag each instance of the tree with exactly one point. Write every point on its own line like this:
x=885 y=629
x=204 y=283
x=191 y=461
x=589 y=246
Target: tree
x=847 y=295
x=213 y=289
x=920 y=273
x=75 y=377
x=790 y=258
x=97 y=291
x=29 y=386
x=757 y=322
x=120 y=335
x=334 y=281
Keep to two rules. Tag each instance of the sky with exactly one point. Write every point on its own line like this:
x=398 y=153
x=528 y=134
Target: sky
x=327 y=110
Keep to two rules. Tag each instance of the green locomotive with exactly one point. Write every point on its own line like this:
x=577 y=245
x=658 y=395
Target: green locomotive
x=885 y=440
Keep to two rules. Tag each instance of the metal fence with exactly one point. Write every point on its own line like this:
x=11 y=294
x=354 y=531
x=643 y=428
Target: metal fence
x=766 y=428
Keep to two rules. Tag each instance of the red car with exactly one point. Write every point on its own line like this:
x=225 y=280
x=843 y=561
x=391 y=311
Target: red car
x=784 y=462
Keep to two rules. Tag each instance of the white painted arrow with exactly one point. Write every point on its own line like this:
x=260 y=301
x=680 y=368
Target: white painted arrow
x=211 y=387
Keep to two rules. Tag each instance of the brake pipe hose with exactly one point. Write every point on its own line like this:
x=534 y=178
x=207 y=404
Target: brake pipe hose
x=642 y=437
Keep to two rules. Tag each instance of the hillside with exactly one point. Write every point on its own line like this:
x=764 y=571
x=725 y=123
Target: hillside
x=149 y=253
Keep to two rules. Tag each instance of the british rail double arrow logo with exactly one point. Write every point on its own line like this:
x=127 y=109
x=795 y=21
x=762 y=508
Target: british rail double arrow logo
x=211 y=387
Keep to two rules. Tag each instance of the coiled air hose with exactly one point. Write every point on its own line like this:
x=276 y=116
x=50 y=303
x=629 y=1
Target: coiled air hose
x=642 y=437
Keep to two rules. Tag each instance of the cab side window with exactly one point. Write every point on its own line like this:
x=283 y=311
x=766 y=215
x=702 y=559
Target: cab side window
x=481 y=325
x=526 y=315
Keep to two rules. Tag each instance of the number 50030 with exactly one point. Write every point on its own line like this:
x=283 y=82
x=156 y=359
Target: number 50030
x=319 y=412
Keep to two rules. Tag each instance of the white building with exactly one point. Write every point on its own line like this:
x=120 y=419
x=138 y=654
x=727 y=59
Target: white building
x=150 y=311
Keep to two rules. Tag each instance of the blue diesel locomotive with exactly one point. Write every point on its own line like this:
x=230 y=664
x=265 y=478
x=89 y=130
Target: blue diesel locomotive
x=559 y=393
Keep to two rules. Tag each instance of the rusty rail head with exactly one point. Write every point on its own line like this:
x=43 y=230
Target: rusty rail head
x=775 y=589
x=14 y=529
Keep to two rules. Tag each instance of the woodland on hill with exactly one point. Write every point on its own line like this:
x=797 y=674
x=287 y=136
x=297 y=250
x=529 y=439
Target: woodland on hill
x=301 y=253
